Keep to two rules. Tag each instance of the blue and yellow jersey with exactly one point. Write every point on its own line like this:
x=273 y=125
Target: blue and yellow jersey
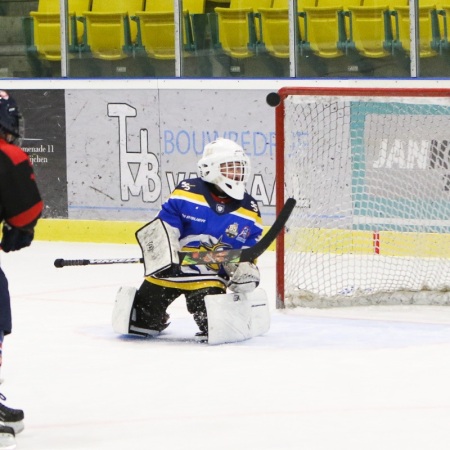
x=207 y=222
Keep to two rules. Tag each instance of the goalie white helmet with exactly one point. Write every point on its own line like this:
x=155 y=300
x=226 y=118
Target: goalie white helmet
x=225 y=164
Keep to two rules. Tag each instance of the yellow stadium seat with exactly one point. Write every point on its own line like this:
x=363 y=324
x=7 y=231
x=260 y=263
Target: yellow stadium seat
x=284 y=4
x=236 y=32
x=392 y=4
x=110 y=35
x=346 y=4
x=379 y=3
x=157 y=27
x=372 y=35
x=47 y=27
x=159 y=5
x=333 y=3
x=301 y=5
x=326 y=33
x=429 y=35
x=254 y=5
x=275 y=31
x=157 y=33
x=193 y=6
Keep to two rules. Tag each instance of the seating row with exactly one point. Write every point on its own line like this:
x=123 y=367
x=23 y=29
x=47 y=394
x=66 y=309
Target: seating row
x=116 y=29
x=331 y=28
x=111 y=29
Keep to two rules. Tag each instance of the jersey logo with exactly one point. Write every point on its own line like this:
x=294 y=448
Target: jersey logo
x=213 y=259
x=186 y=186
x=243 y=235
x=232 y=230
x=220 y=208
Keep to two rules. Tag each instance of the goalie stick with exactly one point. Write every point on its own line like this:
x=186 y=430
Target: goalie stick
x=206 y=257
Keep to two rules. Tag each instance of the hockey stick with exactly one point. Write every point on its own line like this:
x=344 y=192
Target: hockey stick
x=206 y=257
x=60 y=262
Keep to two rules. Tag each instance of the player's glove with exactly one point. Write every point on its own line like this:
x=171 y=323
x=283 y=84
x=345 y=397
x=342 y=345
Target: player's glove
x=244 y=277
x=14 y=238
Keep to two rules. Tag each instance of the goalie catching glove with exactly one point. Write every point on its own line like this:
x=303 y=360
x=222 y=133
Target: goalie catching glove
x=244 y=277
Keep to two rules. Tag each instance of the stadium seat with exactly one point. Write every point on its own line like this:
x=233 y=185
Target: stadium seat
x=47 y=28
x=392 y=5
x=326 y=31
x=236 y=32
x=301 y=5
x=371 y=30
x=157 y=34
x=254 y=5
x=346 y=5
x=159 y=5
x=193 y=6
x=275 y=32
x=157 y=27
x=199 y=23
x=110 y=35
x=429 y=38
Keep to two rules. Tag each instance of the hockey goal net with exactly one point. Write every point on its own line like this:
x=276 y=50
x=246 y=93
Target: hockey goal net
x=370 y=169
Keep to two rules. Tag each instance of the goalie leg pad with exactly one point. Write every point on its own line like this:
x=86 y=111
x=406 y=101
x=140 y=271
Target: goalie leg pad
x=237 y=317
x=260 y=313
x=123 y=313
x=123 y=306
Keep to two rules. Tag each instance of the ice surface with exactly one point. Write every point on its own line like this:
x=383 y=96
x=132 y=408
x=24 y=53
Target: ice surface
x=351 y=378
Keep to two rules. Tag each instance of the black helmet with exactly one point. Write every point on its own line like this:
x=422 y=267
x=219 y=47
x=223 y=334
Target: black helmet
x=9 y=114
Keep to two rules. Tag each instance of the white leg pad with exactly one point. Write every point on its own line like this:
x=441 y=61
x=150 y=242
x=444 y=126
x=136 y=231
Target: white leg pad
x=122 y=309
x=260 y=313
x=237 y=317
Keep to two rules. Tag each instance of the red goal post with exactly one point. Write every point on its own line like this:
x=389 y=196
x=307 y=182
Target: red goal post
x=370 y=170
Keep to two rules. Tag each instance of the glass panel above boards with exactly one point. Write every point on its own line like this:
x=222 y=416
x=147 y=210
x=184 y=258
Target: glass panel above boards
x=223 y=39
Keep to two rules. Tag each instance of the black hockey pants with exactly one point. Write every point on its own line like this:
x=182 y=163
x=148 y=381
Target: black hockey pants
x=151 y=303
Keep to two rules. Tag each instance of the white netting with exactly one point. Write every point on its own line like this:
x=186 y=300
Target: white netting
x=372 y=180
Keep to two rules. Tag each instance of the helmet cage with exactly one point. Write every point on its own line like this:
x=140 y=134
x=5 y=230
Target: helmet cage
x=227 y=167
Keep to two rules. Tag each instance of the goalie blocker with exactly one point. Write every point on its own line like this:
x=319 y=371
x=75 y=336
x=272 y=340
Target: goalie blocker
x=231 y=317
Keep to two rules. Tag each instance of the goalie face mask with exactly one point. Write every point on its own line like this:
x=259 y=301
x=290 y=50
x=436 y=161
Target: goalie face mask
x=225 y=164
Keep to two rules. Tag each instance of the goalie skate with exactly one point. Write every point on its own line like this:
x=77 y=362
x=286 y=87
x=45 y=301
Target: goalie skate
x=7 y=438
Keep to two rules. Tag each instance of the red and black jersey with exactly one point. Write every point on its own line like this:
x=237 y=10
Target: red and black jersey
x=20 y=201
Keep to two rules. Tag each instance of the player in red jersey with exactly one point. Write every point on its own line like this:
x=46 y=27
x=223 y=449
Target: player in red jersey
x=20 y=208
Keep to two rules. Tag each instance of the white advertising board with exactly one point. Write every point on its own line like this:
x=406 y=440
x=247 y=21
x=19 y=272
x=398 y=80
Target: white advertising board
x=127 y=150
